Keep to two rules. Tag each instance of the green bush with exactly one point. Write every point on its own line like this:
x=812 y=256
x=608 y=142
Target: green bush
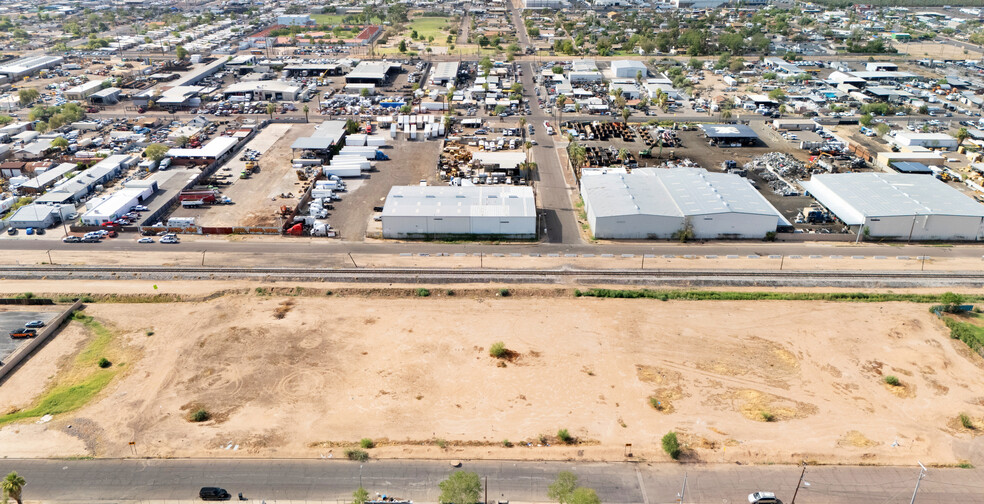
x=104 y=362
x=200 y=415
x=449 y=292
x=367 y=443
x=498 y=350
x=655 y=403
x=671 y=445
x=768 y=417
x=422 y=292
x=565 y=436
x=442 y=444
x=507 y=443
x=357 y=455
x=892 y=380
x=503 y=292
x=965 y=421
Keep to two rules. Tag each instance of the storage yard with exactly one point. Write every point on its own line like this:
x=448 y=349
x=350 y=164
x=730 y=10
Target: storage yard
x=723 y=362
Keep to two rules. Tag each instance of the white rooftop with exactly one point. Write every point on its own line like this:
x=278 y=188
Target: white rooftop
x=680 y=192
x=855 y=197
x=465 y=201
x=213 y=149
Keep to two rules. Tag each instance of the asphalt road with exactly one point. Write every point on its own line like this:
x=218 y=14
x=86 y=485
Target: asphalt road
x=334 y=480
x=12 y=320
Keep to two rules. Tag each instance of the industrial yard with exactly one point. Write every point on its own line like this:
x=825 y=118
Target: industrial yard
x=388 y=365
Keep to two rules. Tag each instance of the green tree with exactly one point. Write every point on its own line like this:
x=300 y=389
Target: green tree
x=883 y=129
x=671 y=445
x=5 y=120
x=584 y=495
x=403 y=46
x=460 y=488
x=181 y=53
x=962 y=134
x=865 y=120
x=156 y=151
x=778 y=95
x=305 y=109
x=27 y=96
x=562 y=487
x=12 y=486
x=270 y=109
x=59 y=142
x=360 y=496
x=351 y=126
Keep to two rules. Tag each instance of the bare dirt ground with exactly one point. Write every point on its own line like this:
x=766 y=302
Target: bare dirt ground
x=253 y=198
x=408 y=372
x=935 y=50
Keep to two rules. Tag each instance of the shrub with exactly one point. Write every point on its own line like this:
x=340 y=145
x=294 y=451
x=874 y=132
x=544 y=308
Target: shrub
x=357 y=455
x=892 y=380
x=542 y=438
x=200 y=415
x=149 y=333
x=965 y=421
x=367 y=443
x=422 y=292
x=498 y=350
x=504 y=292
x=671 y=445
x=104 y=362
x=507 y=443
x=565 y=436
x=442 y=444
x=655 y=403
x=449 y=292
x=768 y=417
x=26 y=295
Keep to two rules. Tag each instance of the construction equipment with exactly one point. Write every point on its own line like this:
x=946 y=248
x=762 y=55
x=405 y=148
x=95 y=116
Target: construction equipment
x=301 y=175
x=251 y=167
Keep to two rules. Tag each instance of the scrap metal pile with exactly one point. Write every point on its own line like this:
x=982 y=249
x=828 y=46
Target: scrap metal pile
x=780 y=171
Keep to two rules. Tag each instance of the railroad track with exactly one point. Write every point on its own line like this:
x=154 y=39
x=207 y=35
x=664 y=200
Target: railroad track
x=505 y=275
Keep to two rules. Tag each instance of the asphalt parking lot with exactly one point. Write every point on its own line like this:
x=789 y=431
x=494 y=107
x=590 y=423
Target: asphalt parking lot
x=15 y=320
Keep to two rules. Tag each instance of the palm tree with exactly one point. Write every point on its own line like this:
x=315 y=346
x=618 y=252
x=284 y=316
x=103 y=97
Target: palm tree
x=661 y=99
x=782 y=110
x=271 y=108
x=962 y=134
x=12 y=486
x=623 y=155
x=527 y=146
x=578 y=156
x=626 y=114
x=522 y=126
x=561 y=101
x=306 y=109
x=725 y=114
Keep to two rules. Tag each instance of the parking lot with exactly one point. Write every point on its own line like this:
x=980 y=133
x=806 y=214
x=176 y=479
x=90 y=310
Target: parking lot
x=11 y=320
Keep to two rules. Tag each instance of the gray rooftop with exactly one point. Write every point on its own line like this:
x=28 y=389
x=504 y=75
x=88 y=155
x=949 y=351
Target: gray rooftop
x=679 y=192
x=728 y=131
x=855 y=197
x=466 y=201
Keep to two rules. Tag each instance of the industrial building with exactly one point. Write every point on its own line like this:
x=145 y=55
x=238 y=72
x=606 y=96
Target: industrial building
x=659 y=203
x=214 y=150
x=45 y=179
x=372 y=72
x=108 y=96
x=445 y=74
x=430 y=211
x=729 y=134
x=266 y=90
x=114 y=206
x=927 y=140
x=901 y=206
x=36 y=215
x=23 y=67
x=76 y=188
x=82 y=91
x=629 y=69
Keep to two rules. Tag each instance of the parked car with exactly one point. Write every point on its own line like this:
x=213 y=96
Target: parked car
x=213 y=493
x=146 y=239
x=12 y=231
x=763 y=498
x=71 y=239
x=170 y=239
x=23 y=333
x=34 y=324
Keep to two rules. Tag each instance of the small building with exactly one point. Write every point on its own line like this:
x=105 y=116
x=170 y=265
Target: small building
x=446 y=211
x=445 y=74
x=116 y=205
x=35 y=215
x=82 y=91
x=44 y=180
x=911 y=167
x=659 y=203
x=325 y=138
x=629 y=69
x=108 y=96
x=214 y=150
x=373 y=72
x=926 y=140
x=900 y=206
x=881 y=66
x=729 y=134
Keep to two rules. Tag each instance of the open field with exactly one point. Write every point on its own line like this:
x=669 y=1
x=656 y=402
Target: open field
x=327 y=19
x=310 y=376
x=430 y=26
x=935 y=50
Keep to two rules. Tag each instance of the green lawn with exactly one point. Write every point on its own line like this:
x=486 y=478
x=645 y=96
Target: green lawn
x=429 y=27
x=327 y=19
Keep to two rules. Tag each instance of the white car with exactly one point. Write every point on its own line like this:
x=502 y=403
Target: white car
x=763 y=498
x=169 y=239
x=146 y=239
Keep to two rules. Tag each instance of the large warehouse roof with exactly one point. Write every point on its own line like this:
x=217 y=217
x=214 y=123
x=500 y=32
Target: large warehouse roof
x=215 y=148
x=856 y=197
x=325 y=135
x=680 y=192
x=371 y=70
x=29 y=64
x=466 y=201
x=445 y=71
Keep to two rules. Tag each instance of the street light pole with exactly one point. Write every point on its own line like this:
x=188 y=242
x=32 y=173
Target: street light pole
x=922 y=474
x=798 y=484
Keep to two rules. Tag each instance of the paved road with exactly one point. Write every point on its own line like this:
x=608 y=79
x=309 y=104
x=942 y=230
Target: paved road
x=332 y=481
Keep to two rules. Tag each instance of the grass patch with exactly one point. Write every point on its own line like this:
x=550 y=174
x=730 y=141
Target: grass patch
x=892 y=380
x=507 y=443
x=767 y=417
x=565 y=436
x=88 y=378
x=442 y=444
x=327 y=19
x=422 y=292
x=865 y=297
x=104 y=363
x=498 y=350
x=199 y=415
x=357 y=455
x=367 y=443
x=656 y=403
x=965 y=465
x=965 y=421
x=429 y=26
x=972 y=335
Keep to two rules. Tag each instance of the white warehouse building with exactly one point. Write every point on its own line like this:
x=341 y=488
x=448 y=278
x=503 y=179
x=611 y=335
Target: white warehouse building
x=628 y=69
x=897 y=205
x=429 y=211
x=658 y=203
x=927 y=140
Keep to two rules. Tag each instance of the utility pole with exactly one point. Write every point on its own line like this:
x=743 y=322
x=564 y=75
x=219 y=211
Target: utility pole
x=922 y=474
x=486 y=490
x=798 y=484
x=683 y=491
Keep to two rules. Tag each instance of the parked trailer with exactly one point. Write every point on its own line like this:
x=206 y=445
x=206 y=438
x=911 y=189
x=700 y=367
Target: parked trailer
x=342 y=171
x=305 y=162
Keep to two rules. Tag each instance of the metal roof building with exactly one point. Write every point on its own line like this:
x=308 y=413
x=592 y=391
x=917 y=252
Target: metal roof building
x=326 y=135
x=433 y=211
x=27 y=66
x=445 y=74
x=729 y=133
x=267 y=90
x=659 y=202
x=374 y=72
x=897 y=205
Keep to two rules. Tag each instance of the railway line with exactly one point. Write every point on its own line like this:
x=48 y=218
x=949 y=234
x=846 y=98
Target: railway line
x=703 y=277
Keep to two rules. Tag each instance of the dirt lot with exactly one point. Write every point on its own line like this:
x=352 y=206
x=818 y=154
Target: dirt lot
x=254 y=197
x=407 y=372
x=936 y=50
